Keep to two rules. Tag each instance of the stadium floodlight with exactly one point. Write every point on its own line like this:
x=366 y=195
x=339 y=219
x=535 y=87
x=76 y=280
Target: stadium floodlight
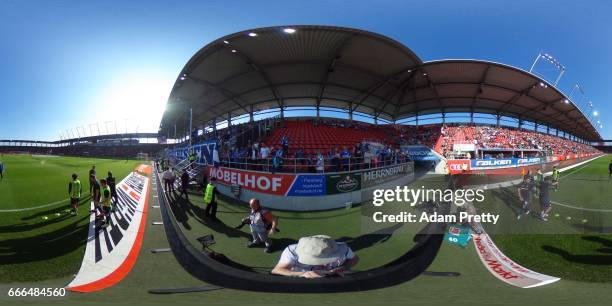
x=289 y=30
x=595 y=113
x=234 y=51
x=566 y=101
x=226 y=42
x=253 y=34
x=550 y=59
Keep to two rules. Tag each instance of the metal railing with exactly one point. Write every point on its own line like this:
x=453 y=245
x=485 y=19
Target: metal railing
x=311 y=165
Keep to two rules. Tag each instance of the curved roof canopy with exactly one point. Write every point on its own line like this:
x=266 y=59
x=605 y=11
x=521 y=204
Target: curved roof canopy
x=355 y=70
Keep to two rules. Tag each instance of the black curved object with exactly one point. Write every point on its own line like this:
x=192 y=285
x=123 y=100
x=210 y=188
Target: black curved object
x=403 y=269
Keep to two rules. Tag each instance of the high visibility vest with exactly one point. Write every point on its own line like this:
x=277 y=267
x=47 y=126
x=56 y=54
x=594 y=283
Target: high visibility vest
x=105 y=201
x=555 y=174
x=208 y=195
x=75 y=190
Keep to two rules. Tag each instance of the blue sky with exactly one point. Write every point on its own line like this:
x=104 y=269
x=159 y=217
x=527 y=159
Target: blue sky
x=62 y=61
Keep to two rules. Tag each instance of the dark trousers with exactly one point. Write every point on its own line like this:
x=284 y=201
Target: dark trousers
x=168 y=185
x=211 y=209
x=184 y=191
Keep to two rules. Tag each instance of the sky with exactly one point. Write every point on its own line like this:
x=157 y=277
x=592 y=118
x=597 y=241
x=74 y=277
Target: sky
x=67 y=65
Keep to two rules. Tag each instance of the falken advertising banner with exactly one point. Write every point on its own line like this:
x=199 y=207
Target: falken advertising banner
x=505 y=268
x=206 y=152
x=111 y=251
x=420 y=153
x=492 y=163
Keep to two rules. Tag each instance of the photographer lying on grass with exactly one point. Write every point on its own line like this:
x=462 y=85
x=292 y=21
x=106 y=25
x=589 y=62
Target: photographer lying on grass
x=314 y=257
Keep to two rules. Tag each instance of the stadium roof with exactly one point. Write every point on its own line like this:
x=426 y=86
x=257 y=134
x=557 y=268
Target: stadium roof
x=355 y=70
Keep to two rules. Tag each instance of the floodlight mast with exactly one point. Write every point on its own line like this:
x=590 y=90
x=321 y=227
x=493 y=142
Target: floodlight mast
x=551 y=60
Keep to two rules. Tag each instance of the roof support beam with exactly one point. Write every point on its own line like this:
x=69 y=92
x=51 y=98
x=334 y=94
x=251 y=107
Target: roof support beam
x=330 y=68
x=263 y=75
x=226 y=93
x=380 y=84
x=483 y=80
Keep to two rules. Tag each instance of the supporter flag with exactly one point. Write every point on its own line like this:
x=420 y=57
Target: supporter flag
x=216 y=161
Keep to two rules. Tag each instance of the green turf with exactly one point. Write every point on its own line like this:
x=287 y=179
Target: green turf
x=376 y=244
x=574 y=244
x=47 y=242
x=374 y=249
x=475 y=285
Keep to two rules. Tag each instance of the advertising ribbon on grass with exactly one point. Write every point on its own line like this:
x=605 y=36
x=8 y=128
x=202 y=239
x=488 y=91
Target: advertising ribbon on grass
x=111 y=251
x=504 y=268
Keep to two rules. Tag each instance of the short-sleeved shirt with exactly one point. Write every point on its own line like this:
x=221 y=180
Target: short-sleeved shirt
x=264 y=152
x=290 y=257
x=168 y=175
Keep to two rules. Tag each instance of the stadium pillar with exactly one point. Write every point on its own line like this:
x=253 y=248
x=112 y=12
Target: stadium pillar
x=229 y=119
x=417 y=120
x=251 y=114
x=497 y=118
x=520 y=123
x=548 y=129
x=557 y=133
x=472 y=117
x=318 y=111
x=443 y=117
x=191 y=127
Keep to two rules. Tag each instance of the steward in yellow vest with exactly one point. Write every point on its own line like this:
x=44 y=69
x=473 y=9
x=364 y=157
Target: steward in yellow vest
x=74 y=191
x=105 y=200
x=210 y=199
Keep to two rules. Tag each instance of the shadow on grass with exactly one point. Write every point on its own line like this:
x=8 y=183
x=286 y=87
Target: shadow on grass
x=606 y=243
x=83 y=206
x=181 y=208
x=588 y=259
x=45 y=245
x=511 y=200
x=371 y=239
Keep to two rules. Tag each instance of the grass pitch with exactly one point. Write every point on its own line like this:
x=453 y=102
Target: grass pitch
x=474 y=286
x=38 y=238
x=576 y=242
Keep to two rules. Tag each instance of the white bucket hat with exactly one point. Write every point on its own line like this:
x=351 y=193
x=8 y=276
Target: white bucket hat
x=319 y=250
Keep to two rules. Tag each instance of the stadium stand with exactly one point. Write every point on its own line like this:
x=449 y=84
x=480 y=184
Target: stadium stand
x=490 y=137
x=297 y=142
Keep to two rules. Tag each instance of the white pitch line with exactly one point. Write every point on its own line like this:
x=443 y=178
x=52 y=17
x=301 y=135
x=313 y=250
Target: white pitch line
x=585 y=163
x=33 y=208
x=581 y=208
